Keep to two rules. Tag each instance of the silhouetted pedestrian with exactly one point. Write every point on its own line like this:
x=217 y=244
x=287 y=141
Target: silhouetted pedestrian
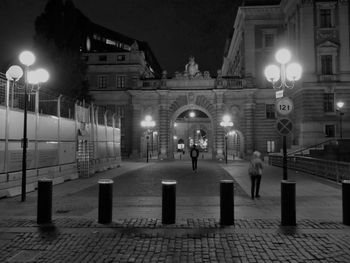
x=255 y=173
x=194 y=153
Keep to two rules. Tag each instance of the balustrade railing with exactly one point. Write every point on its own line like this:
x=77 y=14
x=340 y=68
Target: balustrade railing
x=332 y=170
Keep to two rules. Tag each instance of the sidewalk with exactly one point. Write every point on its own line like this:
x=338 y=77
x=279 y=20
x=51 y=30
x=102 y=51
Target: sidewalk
x=137 y=234
x=316 y=198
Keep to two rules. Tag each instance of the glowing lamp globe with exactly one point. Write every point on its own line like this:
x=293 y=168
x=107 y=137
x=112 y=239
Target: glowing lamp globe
x=192 y=114
x=283 y=56
x=272 y=73
x=226 y=118
x=340 y=104
x=42 y=75
x=32 y=77
x=293 y=72
x=14 y=73
x=27 y=58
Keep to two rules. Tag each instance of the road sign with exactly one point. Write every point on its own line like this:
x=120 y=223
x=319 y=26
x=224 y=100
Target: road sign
x=284 y=126
x=279 y=94
x=284 y=106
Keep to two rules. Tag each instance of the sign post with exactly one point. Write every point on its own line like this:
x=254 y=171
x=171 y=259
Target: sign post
x=284 y=127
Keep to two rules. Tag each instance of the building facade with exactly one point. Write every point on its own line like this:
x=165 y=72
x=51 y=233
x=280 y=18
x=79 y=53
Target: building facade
x=129 y=81
x=317 y=33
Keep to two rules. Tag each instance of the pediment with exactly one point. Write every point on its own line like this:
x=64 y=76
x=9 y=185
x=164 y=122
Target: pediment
x=327 y=44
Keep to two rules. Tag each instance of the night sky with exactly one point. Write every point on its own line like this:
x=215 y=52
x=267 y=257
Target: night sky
x=174 y=29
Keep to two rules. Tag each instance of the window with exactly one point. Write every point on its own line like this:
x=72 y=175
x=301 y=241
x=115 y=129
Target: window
x=121 y=81
x=102 y=82
x=328 y=102
x=102 y=58
x=325 y=18
x=326 y=65
x=120 y=57
x=270 y=146
x=270 y=111
x=269 y=40
x=330 y=130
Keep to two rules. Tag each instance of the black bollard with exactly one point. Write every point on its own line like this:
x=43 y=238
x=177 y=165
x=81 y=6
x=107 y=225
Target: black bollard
x=346 y=202
x=226 y=203
x=105 y=201
x=44 y=209
x=288 y=204
x=168 y=202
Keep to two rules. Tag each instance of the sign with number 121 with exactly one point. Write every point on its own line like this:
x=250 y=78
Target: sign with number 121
x=284 y=106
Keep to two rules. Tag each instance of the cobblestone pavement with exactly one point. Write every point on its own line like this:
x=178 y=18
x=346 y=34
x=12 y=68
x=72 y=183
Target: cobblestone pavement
x=137 y=234
x=147 y=240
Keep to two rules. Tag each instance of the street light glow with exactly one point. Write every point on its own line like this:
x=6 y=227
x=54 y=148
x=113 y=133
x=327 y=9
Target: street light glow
x=27 y=58
x=42 y=75
x=192 y=114
x=283 y=56
x=272 y=73
x=340 y=104
x=32 y=77
x=293 y=72
x=226 y=118
x=14 y=73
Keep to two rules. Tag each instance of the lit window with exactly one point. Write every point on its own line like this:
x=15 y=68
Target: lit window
x=326 y=65
x=325 y=18
x=328 y=102
x=102 y=81
x=330 y=130
x=270 y=146
x=121 y=81
x=270 y=111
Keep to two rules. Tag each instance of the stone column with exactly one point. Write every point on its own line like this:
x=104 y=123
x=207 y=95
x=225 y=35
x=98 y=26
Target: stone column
x=163 y=125
x=344 y=51
x=249 y=107
x=136 y=131
x=219 y=134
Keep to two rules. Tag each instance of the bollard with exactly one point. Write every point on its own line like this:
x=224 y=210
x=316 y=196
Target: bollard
x=44 y=209
x=105 y=201
x=346 y=202
x=168 y=201
x=226 y=203
x=288 y=205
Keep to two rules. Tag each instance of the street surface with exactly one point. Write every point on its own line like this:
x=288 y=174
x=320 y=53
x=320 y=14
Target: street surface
x=137 y=233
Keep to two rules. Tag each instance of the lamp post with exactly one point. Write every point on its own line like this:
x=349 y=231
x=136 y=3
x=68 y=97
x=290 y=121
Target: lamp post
x=283 y=76
x=27 y=58
x=148 y=123
x=226 y=124
x=340 y=105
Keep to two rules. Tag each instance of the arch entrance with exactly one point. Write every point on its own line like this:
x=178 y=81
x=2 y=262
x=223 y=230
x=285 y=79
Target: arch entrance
x=191 y=124
x=235 y=145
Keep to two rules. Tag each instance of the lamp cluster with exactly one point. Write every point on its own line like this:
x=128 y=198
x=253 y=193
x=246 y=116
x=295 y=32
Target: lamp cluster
x=27 y=58
x=285 y=75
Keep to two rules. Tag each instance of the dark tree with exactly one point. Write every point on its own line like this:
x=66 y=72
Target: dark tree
x=59 y=33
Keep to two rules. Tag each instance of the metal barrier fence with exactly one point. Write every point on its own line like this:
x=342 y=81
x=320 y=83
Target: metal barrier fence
x=333 y=170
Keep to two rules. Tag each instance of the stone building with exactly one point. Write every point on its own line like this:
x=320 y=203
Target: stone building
x=127 y=78
x=317 y=33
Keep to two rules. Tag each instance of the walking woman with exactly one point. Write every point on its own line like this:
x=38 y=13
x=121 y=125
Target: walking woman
x=255 y=173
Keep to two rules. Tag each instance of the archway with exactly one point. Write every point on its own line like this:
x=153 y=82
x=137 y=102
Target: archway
x=235 y=145
x=197 y=129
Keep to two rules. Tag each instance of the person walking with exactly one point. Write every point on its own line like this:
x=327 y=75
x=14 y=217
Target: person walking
x=194 y=153
x=255 y=173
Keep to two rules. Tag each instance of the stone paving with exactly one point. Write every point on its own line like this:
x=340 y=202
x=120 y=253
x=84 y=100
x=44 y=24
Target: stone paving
x=138 y=235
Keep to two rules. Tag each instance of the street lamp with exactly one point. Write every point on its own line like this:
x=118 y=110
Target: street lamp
x=283 y=76
x=27 y=58
x=226 y=124
x=340 y=105
x=148 y=123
